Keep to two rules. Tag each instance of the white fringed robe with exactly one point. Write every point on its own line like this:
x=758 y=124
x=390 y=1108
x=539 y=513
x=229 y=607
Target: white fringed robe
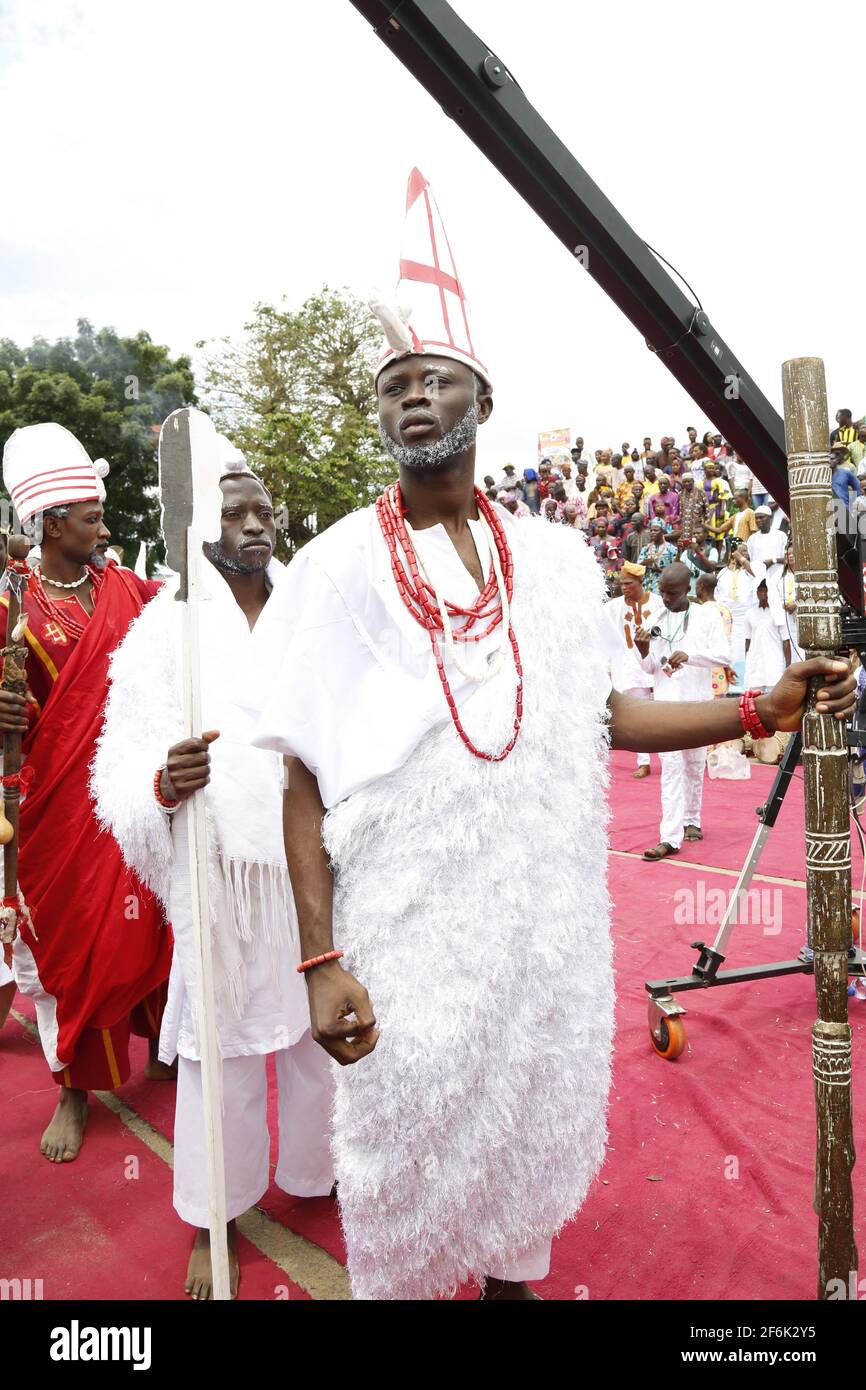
x=261 y=1000
x=474 y=1129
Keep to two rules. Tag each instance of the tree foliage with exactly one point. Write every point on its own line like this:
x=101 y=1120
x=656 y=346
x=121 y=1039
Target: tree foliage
x=296 y=395
x=113 y=394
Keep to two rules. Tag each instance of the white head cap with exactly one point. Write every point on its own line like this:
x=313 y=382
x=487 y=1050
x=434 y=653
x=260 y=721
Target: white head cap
x=46 y=466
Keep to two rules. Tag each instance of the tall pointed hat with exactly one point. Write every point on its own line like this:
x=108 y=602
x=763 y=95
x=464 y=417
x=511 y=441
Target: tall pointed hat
x=429 y=312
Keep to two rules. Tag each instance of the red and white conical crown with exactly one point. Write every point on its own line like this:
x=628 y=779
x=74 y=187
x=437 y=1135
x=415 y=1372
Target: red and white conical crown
x=429 y=313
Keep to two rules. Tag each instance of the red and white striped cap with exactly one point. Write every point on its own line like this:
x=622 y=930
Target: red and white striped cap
x=438 y=320
x=45 y=466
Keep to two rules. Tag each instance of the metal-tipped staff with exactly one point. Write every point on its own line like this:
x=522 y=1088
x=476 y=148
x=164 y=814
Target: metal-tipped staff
x=13 y=911
x=189 y=472
x=828 y=830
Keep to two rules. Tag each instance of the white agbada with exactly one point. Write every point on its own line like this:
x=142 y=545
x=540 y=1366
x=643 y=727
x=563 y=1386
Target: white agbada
x=765 y=659
x=473 y=1130
x=765 y=551
x=700 y=632
x=261 y=1002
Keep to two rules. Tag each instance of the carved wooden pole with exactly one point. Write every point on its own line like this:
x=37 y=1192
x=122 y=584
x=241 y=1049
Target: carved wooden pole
x=828 y=834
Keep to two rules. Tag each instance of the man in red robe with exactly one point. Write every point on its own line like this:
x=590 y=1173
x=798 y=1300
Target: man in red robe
x=97 y=958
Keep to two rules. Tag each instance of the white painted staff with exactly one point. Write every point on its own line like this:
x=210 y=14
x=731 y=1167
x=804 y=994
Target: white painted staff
x=190 y=498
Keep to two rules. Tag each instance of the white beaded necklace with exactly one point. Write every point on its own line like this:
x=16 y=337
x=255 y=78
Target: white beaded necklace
x=58 y=583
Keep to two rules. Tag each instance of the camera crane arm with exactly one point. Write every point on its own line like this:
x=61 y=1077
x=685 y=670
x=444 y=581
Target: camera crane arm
x=476 y=89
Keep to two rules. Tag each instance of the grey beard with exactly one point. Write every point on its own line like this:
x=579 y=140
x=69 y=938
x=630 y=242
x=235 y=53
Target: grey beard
x=227 y=564
x=437 y=455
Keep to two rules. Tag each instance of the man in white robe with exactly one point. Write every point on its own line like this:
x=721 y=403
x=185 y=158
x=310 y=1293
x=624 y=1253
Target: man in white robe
x=471 y=1011
x=768 y=649
x=736 y=590
x=766 y=548
x=691 y=642
x=636 y=607
x=260 y=998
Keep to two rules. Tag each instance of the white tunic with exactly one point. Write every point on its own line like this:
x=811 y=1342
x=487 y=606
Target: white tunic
x=700 y=632
x=765 y=659
x=474 y=1129
x=766 y=550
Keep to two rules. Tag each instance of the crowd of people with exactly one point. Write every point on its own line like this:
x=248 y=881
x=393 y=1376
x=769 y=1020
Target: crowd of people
x=697 y=504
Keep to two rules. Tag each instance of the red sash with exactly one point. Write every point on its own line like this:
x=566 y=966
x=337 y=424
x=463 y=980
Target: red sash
x=102 y=941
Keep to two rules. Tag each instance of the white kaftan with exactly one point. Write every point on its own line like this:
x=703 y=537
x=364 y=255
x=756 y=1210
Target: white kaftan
x=473 y=1130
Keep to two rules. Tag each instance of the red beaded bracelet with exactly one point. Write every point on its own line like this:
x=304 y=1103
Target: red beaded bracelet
x=318 y=960
x=749 y=717
x=163 y=801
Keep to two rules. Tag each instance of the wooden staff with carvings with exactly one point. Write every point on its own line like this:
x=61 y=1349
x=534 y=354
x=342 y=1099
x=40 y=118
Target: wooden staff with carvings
x=828 y=833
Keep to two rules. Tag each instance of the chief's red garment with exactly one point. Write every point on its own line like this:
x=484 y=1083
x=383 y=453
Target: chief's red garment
x=102 y=944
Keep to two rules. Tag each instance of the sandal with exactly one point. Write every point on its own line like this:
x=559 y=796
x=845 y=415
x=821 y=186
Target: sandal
x=693 y=832
x=660 y=851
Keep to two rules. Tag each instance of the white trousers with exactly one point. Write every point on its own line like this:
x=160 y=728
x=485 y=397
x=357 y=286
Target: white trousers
x=534 y=1263
x=641 y=692
x=682 y=792
x=304 y=1088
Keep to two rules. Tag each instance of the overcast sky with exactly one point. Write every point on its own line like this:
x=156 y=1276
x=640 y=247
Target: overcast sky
x=167 y=165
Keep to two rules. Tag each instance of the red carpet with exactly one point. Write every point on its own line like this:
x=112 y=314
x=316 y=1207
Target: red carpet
x=706 y=1192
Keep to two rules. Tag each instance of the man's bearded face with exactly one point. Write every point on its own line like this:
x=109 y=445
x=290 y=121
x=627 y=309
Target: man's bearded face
x=429 y=411
x=247 y=531
x=440 y=452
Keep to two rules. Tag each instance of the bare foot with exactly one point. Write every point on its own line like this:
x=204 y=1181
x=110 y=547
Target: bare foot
x=503 y=1290
x=63 y=1137
x=199 y=1282
x=7 y=994
x=154 y=1069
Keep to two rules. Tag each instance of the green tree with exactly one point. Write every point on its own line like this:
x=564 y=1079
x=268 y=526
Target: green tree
x=113 y=394
x=296 y=395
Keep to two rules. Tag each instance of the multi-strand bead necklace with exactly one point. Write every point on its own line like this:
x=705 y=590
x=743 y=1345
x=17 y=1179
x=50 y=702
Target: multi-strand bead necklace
x=434 y=613
x=60 y=612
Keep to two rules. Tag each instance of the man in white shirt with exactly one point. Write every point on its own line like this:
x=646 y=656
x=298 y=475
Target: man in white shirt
x=691 y=641
x=569 y=484
x=622 y=617
x=766 y=547
x=741 y=476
